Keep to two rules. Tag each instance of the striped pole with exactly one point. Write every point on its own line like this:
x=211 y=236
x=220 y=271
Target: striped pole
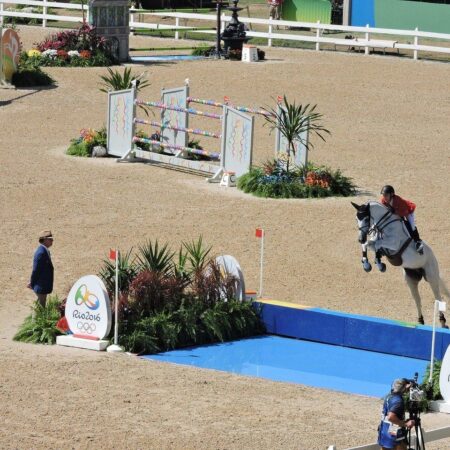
x=195 y=151
x=179 y=109
x=172 y=127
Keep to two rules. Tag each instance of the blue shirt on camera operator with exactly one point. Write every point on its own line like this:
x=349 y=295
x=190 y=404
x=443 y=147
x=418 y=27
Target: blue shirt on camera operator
x=392 y=429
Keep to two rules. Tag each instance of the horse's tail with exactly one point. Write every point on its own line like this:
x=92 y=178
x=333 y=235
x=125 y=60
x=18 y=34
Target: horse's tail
x=444 y=288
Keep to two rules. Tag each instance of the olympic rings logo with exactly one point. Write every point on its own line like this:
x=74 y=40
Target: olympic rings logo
x=88 y=298
x=88 y=328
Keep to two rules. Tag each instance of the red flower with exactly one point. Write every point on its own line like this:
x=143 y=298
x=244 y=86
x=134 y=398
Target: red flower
x=86 y=54
x=62 y=325
x=62 y=54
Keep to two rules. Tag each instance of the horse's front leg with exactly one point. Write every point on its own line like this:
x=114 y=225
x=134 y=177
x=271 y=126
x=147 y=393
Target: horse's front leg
x=364 y=260
x=381 y=265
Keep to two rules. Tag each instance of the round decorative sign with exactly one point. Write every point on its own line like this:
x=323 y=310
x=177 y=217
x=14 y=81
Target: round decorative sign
x=444 y=377
x=229 y=266
x=11 y=53
x=88 y=309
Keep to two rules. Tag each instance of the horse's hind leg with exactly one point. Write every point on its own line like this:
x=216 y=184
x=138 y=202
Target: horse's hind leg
x=435 y=287
x=413 y=285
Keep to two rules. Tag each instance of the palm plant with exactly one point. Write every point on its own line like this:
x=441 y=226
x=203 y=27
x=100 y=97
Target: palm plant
x=116 y=81
x=293 y=121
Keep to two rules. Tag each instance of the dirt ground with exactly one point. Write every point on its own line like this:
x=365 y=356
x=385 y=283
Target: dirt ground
x=389 y=120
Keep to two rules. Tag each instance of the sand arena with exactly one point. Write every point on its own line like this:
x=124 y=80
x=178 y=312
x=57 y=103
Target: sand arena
x=389 y=123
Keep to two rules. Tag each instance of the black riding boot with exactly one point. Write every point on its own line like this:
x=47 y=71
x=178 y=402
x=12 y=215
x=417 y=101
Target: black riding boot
x=417 y=240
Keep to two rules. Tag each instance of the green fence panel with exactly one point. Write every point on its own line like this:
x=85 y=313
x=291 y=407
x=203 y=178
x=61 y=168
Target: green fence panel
x=307 y=10
x=407 y=15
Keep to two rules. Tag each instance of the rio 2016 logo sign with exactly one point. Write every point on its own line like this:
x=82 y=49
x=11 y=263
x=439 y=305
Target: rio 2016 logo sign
x=88 y=309
x=83 y=296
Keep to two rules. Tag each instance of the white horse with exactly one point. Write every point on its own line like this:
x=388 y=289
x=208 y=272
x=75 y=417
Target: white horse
x=385 y=233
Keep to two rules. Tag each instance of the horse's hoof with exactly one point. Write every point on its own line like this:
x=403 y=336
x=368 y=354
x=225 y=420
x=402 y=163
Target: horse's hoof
x=381 y=267
x=421 y=321
x=367 y=266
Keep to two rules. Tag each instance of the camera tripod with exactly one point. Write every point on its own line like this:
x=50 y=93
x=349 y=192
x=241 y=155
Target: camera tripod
x=417 y=442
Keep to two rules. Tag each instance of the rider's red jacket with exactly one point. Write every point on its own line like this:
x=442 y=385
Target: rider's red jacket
x=401 y=206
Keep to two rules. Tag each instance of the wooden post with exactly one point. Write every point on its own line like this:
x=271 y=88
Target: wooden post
x=366 y=48
x=318 y=36
x=269 y=42
x=416 y=43
x=177 y=24
x=44 y=12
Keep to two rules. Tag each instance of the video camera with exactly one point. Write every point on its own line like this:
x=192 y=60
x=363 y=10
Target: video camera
x=416 y=395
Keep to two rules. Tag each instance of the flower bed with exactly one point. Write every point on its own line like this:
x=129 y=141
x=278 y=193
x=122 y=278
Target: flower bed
x=275 y=181
x=87 y=141
x=177 y=299
x=72 y=48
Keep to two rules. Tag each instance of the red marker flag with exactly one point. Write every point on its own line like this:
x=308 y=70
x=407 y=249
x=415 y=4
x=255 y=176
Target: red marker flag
x=279 y=99
x=226 y=100
x=112 y=254
x=259 y=233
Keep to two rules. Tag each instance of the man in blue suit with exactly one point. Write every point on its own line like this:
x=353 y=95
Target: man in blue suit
x=42 y=276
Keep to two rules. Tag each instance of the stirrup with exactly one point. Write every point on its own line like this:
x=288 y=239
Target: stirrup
x=419 y=247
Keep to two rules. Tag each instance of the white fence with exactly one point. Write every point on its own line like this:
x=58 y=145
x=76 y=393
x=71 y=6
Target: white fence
x=368 y=38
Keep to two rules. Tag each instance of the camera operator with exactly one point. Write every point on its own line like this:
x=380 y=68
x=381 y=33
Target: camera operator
x=392 y=431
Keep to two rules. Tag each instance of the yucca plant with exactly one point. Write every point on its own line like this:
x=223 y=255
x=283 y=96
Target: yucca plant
x=155 y=258
x=197 y=254
x=117 y=81
x=40 y=326
x=127 y=272
x=292 y=121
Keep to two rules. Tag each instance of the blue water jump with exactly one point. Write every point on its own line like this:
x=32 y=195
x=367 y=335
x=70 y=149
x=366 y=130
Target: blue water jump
x=295 y=361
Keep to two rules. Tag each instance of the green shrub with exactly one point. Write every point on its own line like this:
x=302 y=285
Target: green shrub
x=432 y=389
x=192 y=324
x=203 y=50
x=138 y=341
x=40 y=326
x=78 y=149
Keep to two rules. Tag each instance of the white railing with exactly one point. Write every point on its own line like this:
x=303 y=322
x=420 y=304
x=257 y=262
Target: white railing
x=367 y=41
x=44 y=16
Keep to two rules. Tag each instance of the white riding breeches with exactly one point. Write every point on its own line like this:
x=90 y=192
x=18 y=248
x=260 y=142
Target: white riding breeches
x=412 y=220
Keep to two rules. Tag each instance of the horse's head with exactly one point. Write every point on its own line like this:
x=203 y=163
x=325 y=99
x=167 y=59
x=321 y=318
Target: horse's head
x=363 y=219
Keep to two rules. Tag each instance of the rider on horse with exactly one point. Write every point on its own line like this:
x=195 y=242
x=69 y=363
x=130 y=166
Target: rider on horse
x=405 y=209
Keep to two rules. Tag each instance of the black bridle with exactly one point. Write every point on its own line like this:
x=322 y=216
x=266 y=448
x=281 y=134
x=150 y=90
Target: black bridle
x=377 y=227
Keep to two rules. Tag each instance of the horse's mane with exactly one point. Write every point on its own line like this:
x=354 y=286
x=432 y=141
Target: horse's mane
x=377 y=203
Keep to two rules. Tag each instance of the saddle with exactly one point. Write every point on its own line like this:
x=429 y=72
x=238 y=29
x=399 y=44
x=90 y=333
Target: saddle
x=396 y=258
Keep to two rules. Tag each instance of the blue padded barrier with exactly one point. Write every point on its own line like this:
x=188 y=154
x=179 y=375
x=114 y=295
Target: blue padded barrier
x=355 y=331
